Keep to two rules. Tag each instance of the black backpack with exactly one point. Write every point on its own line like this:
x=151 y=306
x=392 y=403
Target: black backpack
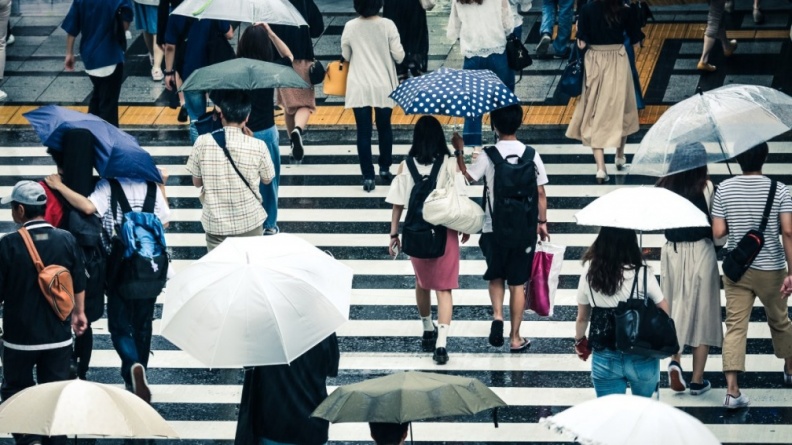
x=87 y=231
x=421 y=239
x=131 y=274
x=515 y=211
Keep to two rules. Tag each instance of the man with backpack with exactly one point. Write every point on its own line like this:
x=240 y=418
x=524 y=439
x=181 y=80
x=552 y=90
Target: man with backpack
x=515 y=213
x=37 y=333
x=135 y=212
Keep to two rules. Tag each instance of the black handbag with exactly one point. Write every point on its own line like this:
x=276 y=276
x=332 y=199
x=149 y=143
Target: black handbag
x=316 y=74
x=739 y=259
x=209 y=122
x=642 y=328
x=573 y=77
x=517 y=54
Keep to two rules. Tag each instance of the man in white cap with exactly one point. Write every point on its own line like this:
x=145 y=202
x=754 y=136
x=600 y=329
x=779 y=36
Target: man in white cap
x=34 y=336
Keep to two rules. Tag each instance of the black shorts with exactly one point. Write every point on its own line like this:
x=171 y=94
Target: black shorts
x=512 y=265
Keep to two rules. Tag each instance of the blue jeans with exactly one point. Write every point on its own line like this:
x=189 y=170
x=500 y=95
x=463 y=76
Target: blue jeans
x=129 y=323
x=382 y=116
x=562 y=9
x=269 y=192
x=498 y=64
x=634 y=69
x=612 y=370
x=195 y=103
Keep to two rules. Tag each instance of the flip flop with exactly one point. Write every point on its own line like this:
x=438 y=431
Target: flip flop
x=522 y=348
x=496 y=333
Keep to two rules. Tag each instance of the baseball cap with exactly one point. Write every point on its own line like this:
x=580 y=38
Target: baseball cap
x=28 y=193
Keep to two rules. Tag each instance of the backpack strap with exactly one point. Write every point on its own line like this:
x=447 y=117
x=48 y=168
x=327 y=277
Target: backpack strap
x=438 y=164
x=494 y=155
x=118 y=197
x=151 y=197
x=413 y=169
x=768 y=205
x=31 y=248
x=529 y=154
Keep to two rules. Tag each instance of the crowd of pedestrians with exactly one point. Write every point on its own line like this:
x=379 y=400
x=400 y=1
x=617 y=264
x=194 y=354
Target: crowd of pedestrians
x=237 y=168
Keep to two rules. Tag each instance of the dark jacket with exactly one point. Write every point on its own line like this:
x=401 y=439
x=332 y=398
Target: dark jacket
x=298 y=39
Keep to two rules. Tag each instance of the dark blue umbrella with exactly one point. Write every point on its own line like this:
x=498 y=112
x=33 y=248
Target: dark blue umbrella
x=118 y=155
x=452 y=92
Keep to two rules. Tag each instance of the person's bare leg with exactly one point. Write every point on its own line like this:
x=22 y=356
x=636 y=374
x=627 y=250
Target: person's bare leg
x=599 y=158
x=301 y=119
x=516 y=308
x=289 y=121
x=700 y=354
x=158 y=54
x=148 y=39
x=621 y=160
x=445 y=306
x=423 y=299
x=709 y=43
x=497 y=292
x=732 y=386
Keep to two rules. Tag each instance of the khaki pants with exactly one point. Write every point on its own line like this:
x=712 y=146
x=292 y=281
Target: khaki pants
x=213 y=241
x=740 y=297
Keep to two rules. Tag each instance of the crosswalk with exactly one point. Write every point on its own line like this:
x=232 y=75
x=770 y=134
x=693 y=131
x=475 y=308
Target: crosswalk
x=323 y=202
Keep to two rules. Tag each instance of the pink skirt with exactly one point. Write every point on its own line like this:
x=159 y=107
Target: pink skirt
x=440 y=273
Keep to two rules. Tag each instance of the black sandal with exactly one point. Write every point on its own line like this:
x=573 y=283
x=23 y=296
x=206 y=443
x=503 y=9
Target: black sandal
x=496 y=333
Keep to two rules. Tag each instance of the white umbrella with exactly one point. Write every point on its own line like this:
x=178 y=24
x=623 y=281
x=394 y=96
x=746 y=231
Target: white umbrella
x=256 y=301
x=273 y=12
x=77 y=407
x=629 y=420
x=642 y=208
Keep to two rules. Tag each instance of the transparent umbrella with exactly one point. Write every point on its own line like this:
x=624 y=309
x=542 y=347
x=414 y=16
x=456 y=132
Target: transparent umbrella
x=274 y=12
x=726 y=121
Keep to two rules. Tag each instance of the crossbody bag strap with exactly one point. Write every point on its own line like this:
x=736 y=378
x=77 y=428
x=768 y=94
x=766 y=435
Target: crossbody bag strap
x=634 y=290
x=592 y=293
x=416 y=177
x=768 y=205
x=31 y=248
x=219 y=137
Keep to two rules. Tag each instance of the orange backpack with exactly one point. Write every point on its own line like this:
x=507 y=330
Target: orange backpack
x=55 y=281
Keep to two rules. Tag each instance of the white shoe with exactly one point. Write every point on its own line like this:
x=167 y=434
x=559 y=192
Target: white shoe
x=3 y=95
x=128 y=35
x=620 y=163
x=10 y=39
x=732 y=402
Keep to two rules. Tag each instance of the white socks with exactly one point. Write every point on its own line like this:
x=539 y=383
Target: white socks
x=442 y=335
x=427 y=323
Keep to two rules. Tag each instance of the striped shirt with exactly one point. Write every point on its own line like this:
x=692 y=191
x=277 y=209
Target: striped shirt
x=741 y=201
x=229 y=206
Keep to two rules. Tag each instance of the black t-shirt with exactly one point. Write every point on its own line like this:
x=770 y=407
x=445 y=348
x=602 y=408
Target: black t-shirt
x=594 y=29
x=279 y=399
x=28 y=319
x=262 y=114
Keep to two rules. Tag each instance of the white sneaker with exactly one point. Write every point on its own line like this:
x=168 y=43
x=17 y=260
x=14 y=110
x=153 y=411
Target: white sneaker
x=10 y=39
x=732 y=402
x=3 y=95
x=128 y=35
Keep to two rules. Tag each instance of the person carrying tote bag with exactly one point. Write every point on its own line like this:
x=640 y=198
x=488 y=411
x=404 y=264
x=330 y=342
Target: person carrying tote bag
x=448 y=205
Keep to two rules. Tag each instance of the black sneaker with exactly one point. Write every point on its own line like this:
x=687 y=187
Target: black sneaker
x=182 y=117
x=140 y=383
x=699 y=388
x=440 y=356
x=429 y=339
x=298 y=151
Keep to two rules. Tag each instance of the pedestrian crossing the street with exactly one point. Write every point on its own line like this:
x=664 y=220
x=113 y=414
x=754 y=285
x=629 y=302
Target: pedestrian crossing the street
x=322 y=201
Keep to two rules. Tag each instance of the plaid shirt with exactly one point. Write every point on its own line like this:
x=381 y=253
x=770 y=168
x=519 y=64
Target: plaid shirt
x=230 y=207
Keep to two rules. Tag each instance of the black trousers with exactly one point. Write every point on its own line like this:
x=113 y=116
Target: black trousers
x=51 y=365
x=107 y=90
x=364 y=132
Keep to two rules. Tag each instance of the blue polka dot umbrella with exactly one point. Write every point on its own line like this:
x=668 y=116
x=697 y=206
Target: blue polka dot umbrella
x=452 y=92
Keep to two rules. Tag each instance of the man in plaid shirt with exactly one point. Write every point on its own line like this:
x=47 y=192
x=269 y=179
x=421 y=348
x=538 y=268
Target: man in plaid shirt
x=230 y=175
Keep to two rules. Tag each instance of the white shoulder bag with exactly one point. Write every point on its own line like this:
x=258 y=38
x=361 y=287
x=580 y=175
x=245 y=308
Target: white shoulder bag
x=449 y=207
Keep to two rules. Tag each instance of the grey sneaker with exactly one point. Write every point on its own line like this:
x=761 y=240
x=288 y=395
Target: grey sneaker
x=544 y=43
x=272 y=231
x=738 y=402
x=758 y=16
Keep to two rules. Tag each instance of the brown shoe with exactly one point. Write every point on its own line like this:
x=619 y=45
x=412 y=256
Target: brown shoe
x=140 y=383
x=730 y=48
x=702 y=66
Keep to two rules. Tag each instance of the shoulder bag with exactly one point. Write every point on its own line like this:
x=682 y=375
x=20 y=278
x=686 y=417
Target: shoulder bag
x=641 y=327
x=573 y=77
x=739 y=259
x=54 y=281
x=316 y=73
x=335 y=81
x=517 y=54
x=449 y=207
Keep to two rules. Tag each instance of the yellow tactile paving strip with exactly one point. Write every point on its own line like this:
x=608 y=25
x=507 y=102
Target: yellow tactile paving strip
x=336 y=115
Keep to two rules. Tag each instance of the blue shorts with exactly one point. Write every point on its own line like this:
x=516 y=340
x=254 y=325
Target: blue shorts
x=146 y=18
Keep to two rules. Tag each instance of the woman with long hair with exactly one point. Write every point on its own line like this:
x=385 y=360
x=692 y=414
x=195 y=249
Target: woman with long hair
x=614 y=263
x=438 y=274
x=371 y=45
x=607 y=111
x=481 y=26
x=257 y=43
x=689 y=275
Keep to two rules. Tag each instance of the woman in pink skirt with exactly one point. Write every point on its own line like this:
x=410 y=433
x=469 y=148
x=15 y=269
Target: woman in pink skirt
x=438 y=274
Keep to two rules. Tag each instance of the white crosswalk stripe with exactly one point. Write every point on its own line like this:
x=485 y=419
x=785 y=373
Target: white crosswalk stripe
x=333 y=212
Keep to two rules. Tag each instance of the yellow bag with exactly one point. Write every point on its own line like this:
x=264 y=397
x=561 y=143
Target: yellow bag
x=336 y=78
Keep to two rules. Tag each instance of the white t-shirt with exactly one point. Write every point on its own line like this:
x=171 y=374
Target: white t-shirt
x=483 y=167
x=135 y=192
x=610 y=301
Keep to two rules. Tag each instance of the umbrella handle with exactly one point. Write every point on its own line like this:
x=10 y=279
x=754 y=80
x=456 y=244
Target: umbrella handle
x=495 y=416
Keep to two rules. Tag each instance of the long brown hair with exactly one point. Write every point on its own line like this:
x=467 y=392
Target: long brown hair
x=612 y=11
x=689 y=183
x=613 y=252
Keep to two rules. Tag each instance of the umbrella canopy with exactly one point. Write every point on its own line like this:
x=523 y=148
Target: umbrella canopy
x=628 y=420
x=405 y=397
x=642 y=208
x=77 y=407
x=256 y=301
x=273 y=12
x=118 y=155
x=243 y=74
x=726 y=121
x=452 y=92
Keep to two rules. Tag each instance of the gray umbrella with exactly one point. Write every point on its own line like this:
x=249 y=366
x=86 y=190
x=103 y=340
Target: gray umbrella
x=243 y=74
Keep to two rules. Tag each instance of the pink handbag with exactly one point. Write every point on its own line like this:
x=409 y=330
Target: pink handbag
x=545 y=272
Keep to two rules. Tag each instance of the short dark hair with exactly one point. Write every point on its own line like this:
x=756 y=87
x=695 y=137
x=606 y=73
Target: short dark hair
x=429 y=142
x=31 y=211
x=368 y=8
x=753 y=160
x=235 y=105
x=507 y=119
x=387 y=433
